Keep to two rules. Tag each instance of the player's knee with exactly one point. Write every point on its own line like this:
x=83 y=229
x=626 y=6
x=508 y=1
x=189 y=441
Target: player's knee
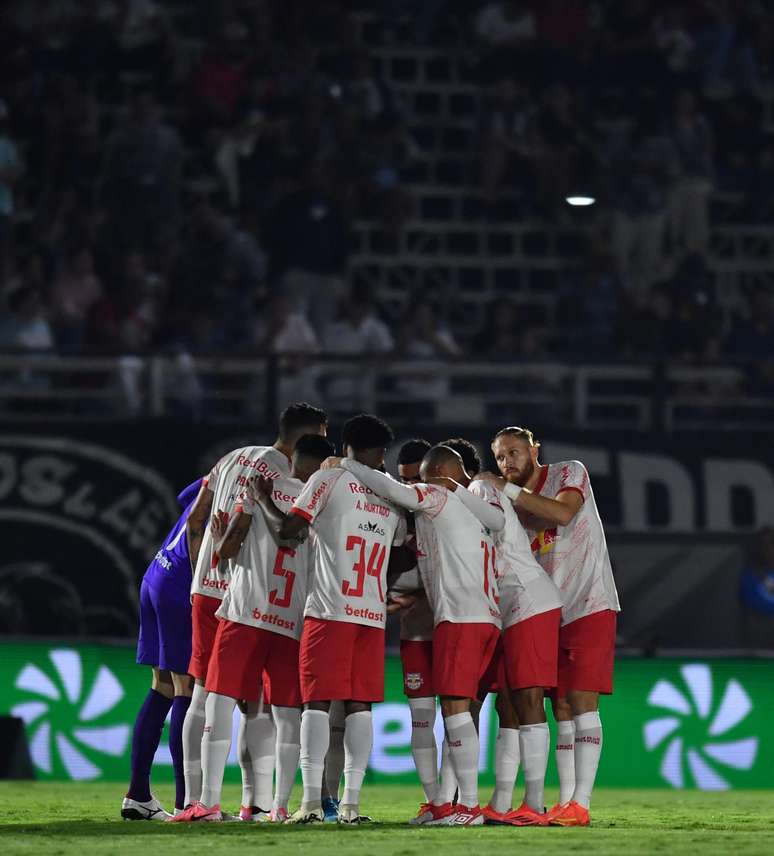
x=506 y=713
x=450 y=705
x=183 y=684
x=562 y=709
x=529 y=705
x=582 y=702
x=161 y=682
x=324 y=706
x=357 y=707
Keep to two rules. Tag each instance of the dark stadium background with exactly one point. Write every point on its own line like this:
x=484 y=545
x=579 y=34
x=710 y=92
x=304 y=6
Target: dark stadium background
x=208 y=210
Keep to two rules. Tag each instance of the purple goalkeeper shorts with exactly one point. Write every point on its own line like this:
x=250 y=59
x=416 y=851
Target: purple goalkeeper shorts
x=165 y=628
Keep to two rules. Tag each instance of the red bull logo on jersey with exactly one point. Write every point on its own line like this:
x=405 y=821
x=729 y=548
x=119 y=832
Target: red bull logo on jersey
x=544 y=541
x=356 y=487
x=279 y=496
x=259 y=465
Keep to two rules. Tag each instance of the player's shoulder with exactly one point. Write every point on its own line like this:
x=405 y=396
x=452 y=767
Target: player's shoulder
x=573 y=466
x=325 y=480
x=289 y=485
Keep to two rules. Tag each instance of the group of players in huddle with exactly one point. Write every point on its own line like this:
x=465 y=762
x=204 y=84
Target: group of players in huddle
x=293 y=558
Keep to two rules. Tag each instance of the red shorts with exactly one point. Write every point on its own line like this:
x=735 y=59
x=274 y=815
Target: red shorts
x=266 y=697
x=587 y=653
x=531 y=651
x=341 y=661
x=461 y=654
x=243 y=656
x=204 y=626
x=417 y=660
x=493 y=679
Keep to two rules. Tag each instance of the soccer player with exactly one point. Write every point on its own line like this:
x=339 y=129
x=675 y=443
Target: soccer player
x=557 y=507
x=228 y=480
x=526 y=661
x=345 y=610
x=260 y=626
x=416 y=654
x=164 y=645
x=456 y=561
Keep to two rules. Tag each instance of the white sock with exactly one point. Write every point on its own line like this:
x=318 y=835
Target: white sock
x=463 y=752
x=358 y=740
x=288 y=722
x=334 y=760
x=588 y=748
x=216 y=743
x=535 y=741
x=193 y=728
x=447 y=786
x=243 y=756
x=257 y=747
x=315 y=737
x=423 y=747
x=565 y=759
x=506 y=767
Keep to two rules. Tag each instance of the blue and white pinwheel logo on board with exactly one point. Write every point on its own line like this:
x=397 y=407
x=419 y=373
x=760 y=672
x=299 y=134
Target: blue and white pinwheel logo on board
x=64 y=715
x=691 y=736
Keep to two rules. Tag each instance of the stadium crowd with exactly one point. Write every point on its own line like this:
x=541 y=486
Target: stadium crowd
x=185 y=176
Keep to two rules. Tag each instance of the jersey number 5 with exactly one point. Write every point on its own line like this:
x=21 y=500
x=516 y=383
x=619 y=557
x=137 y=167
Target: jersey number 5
x=372 y=569
x=289 y=577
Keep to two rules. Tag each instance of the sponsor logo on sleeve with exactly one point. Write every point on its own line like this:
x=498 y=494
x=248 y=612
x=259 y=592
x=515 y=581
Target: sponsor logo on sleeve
x=316 y=496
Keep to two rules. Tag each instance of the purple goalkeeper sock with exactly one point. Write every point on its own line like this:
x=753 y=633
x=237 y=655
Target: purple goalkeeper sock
x=179 y=709
x=145 y=742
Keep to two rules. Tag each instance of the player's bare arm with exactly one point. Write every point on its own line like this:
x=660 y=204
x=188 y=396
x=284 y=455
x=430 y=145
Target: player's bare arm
x=228 y=537
x=289 y=527
x=399 y=602
x=197 y=521
x=560 y=510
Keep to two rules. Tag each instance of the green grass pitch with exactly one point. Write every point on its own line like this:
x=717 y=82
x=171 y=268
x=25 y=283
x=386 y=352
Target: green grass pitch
x=83 y=819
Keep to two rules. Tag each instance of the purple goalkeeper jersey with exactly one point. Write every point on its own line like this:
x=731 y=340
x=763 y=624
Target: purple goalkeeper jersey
x=171 y=566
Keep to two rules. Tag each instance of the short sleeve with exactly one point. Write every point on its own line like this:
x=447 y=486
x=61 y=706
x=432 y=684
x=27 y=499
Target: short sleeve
x=486 y=491
x=574 y=476
x=315 y=495
x=212 y=476
x=432 y=499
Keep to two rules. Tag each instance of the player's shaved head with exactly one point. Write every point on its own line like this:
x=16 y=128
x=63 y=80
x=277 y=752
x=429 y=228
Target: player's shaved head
x=310 y=451
x=443 y=462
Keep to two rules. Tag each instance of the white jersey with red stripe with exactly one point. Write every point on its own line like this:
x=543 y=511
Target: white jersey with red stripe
x=456 y=557
x=575 y=556
x=228 y=480
x=268 y=579
x=525 y=588
x=354 y=531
